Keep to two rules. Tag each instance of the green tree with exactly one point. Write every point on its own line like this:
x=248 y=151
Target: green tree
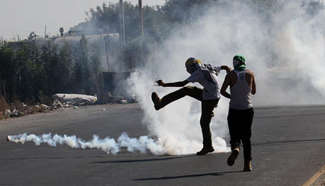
x=84 y=60
x=7 y=71
x=65 y=67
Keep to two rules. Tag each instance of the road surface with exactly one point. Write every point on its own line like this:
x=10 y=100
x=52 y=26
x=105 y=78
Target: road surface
x=288 y=149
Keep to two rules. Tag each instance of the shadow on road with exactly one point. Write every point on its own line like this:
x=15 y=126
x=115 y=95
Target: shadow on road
x=288 y=141
x=32 y=158
x=139 y=160
x=48 y=158
x=188 y=176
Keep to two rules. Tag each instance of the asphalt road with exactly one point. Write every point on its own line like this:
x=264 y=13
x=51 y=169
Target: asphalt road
x=288 y=150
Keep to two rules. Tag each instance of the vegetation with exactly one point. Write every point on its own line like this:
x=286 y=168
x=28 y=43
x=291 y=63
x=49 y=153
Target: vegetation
x=30 y=72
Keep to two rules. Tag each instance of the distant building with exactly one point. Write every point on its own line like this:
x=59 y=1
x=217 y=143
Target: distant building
x=106 y=46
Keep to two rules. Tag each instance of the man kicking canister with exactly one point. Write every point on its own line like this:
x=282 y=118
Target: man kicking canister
x=205 y=74
x=240 y=116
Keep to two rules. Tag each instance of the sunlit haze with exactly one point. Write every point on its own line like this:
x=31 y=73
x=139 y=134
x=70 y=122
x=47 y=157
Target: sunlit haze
x=20 y=17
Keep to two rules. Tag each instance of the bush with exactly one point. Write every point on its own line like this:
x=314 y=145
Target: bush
x=3 y=106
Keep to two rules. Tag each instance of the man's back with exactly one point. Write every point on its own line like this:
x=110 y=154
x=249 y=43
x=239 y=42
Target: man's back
x=240 y=91
x=242 y=86
x=208 y=79
x=249 y=77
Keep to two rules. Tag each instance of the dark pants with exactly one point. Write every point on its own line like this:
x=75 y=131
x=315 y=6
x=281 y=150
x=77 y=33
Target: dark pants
x=240 y=129
x=207 y=107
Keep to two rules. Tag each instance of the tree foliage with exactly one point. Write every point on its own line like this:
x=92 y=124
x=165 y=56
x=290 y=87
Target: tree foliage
x=29 y=71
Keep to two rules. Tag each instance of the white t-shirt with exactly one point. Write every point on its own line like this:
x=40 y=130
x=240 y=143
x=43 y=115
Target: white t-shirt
x=209 y=82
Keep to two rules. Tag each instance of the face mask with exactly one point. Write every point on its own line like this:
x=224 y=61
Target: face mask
x=235 y=63
x=238 y=65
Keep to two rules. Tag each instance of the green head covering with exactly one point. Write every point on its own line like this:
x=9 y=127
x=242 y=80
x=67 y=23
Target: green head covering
x=239 y=62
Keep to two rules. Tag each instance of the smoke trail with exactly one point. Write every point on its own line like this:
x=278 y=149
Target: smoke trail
x=142 y=144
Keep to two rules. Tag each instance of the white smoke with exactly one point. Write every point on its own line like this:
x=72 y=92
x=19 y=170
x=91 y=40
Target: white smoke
x=142 y=144
x=285 y=49
x=177 y=125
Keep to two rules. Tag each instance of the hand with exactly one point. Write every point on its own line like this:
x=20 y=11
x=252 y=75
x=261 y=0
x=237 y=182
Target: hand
x=160 y=83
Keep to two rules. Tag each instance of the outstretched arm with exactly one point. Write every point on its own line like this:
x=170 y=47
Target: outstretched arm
x=225 y=85
x=172 y=84
x=226 y=68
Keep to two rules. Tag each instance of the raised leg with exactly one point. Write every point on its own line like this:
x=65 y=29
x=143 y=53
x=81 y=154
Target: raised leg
x=171 y=97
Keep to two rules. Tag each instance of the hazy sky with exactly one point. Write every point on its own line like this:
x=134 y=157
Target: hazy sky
x=20 y=17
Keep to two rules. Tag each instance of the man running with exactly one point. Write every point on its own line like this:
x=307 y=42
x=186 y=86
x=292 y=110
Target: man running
x=240 y=116
x=205 y=74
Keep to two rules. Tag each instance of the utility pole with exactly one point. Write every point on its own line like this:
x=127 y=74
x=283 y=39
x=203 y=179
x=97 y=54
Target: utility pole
x=122 y=24
x=107 y=50
x=141 y=17
x=141 y=52
x=45 y=36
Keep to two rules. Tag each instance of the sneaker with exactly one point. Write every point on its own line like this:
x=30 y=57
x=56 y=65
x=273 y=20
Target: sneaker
x=155 y=100
x=233 y=156
x=205 y=151
x=248 y=166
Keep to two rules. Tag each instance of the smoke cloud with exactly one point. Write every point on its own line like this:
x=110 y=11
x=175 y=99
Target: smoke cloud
x=283 y=45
